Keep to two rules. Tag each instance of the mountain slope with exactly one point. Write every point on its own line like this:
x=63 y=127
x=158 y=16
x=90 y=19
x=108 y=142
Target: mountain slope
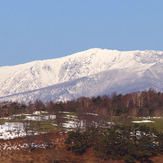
x=89 y=73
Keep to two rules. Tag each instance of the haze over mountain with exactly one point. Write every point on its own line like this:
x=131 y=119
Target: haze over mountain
x=89 y=73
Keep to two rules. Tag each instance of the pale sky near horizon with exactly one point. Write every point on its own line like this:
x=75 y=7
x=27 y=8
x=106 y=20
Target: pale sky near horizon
x=44 y=29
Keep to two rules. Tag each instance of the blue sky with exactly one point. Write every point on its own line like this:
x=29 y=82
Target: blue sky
x=44 y=29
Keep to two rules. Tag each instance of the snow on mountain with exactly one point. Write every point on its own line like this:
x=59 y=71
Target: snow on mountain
x=88 y=73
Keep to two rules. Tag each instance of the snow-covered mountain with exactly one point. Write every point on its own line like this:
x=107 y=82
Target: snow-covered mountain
x=88 y=73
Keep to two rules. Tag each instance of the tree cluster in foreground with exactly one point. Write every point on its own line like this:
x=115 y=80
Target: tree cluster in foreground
x=131 y=143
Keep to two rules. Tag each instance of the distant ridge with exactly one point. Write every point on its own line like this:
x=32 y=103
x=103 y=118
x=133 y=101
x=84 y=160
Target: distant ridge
x=89 y=73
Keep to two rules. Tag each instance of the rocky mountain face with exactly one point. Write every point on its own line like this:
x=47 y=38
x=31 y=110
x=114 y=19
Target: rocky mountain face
x=89 y=73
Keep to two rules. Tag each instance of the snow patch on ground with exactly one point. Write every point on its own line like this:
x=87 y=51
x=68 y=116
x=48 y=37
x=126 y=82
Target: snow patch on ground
x=11 y=130
x=143 y=121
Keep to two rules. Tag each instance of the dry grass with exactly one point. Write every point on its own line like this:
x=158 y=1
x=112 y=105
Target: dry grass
x=59 y=155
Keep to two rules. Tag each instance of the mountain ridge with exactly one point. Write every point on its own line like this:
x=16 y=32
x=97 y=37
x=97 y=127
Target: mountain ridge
x=147 y=65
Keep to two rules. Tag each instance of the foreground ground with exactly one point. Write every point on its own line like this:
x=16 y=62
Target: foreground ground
x=56 y=154
x=11 y=150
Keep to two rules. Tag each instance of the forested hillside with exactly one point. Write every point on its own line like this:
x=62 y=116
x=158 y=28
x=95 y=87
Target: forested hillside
x=138 y=104
x=104 y=125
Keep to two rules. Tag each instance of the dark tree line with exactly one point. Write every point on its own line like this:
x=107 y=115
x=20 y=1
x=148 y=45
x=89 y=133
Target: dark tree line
x=138 y=104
